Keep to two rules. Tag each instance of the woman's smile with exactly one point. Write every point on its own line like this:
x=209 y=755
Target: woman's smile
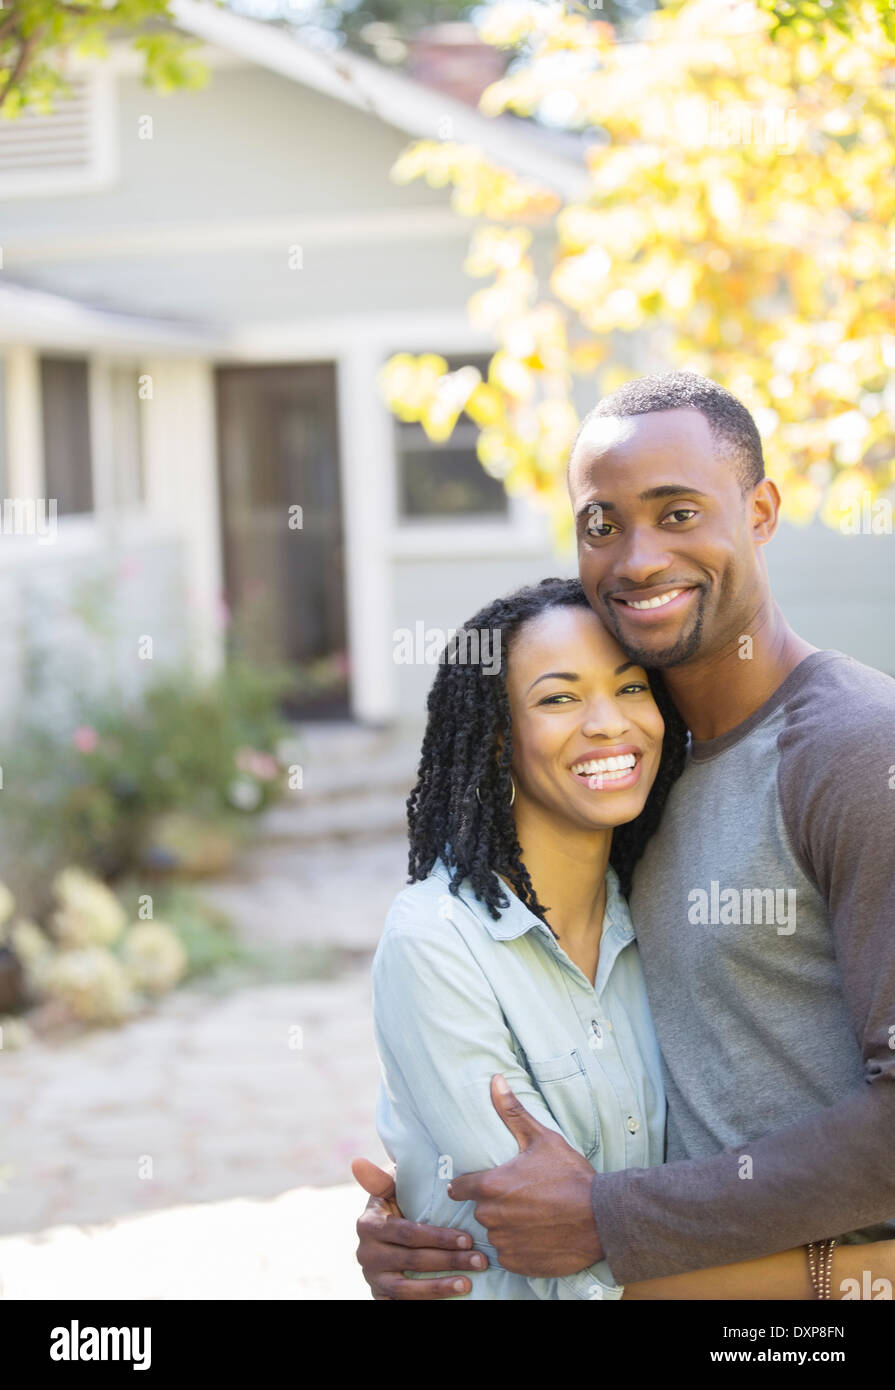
x=609 y=768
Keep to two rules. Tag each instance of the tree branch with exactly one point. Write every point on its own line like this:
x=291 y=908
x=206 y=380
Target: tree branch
x=21 y=63
x=9 y=24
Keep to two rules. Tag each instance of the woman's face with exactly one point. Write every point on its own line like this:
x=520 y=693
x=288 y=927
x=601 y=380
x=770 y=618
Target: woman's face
x=587 y=733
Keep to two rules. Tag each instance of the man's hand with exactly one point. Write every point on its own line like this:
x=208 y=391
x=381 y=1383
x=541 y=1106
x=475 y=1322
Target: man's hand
x=388 y=1244
x=536 y=1208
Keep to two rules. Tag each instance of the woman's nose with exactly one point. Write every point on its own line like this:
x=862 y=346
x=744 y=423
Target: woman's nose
x=604 y=718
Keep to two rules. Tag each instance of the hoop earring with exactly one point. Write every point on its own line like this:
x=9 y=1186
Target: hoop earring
x=512 y=794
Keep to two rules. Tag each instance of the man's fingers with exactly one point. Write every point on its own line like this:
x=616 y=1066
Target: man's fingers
x=468 y=1187
x=373 y=1179
x=393 y=1286
x=523 y=1127
x=426 y=1261
x=399 y=1231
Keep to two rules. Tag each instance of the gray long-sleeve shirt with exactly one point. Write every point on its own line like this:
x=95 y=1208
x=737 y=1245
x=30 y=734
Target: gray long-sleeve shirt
x=764 y=909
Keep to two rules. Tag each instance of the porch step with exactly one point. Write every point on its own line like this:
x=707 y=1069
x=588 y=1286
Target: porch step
x=354 y=784
x=362 y=817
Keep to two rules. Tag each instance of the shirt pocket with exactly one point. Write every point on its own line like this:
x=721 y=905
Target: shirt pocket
x=569 y=1096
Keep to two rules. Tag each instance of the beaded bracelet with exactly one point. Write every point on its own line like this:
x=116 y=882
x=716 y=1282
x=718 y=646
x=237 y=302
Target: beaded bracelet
x=820 y=1266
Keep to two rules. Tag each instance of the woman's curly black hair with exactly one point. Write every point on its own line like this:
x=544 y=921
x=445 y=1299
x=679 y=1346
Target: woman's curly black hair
x=468 y=716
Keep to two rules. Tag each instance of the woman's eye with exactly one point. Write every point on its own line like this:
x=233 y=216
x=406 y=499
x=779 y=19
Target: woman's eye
x=552 y=699
x=636 y=686
x=682 y=514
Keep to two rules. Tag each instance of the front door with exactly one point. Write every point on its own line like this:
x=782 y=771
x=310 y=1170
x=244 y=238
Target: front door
x=279 y=452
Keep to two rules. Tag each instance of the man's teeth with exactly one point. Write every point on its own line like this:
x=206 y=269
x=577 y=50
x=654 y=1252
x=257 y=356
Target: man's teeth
x=603 y=766
x=653 y=602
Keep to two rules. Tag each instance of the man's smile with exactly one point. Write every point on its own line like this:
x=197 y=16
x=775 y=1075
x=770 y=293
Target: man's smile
x=654 y=604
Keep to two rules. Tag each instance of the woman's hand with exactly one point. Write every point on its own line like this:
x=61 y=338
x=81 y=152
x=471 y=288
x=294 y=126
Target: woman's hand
x=388 y=1245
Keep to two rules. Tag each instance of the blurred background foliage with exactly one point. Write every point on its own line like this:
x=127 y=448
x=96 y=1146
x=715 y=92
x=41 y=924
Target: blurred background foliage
x=163 y=783
x=740 y=213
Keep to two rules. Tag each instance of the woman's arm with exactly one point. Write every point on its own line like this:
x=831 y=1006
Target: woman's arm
x=781 y=1276
x=441 y=1036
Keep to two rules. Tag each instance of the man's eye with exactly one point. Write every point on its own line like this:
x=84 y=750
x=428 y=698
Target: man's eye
x=682 y=514
x=603 y=528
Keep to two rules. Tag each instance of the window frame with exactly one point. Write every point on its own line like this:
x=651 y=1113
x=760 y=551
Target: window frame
x=104 y=163
x=521 y=529
x=101 y=435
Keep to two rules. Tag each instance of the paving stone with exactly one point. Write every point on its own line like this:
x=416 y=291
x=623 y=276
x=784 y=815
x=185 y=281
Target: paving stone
x=251 y=1139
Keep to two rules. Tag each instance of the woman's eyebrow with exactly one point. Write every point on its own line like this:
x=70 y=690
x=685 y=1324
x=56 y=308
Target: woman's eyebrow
x=573 y=675
x=555 y=675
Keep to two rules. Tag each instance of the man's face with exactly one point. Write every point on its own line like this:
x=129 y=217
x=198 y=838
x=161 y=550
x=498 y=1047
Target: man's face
x=669 y=560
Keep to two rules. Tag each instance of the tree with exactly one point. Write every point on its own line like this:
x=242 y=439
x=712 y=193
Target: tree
x=739 y=220
x=812 y=18
x=37 y=35
x=383 y=26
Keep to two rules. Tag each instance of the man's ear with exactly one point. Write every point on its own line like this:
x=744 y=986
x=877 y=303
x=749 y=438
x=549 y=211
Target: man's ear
x=765 y=505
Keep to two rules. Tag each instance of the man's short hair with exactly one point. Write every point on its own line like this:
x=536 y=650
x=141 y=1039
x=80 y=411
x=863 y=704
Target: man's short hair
x=728 y=419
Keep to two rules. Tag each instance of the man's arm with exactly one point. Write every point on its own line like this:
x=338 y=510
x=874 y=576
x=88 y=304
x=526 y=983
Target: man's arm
x=832 y=1171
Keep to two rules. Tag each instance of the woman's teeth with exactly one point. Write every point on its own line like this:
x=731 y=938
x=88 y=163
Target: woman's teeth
x=607 y=768
x=653 y=602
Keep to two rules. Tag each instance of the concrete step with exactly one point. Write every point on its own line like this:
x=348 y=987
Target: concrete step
x=354 y=784
x=347 y=761
x=362 y=815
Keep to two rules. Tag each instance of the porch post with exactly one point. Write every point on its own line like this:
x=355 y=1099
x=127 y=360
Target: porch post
x=365 y=455
x=180 y=443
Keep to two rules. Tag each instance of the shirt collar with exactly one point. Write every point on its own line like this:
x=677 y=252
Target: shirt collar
x=517 y=919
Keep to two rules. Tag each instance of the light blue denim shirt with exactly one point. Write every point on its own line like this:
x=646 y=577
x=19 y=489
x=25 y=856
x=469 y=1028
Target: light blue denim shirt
x=459 y=996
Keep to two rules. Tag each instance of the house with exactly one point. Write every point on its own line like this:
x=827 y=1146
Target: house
x=197 y=293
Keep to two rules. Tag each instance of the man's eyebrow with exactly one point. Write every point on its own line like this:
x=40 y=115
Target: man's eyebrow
x=651 y=495
x=573 y=675
x=670 y=490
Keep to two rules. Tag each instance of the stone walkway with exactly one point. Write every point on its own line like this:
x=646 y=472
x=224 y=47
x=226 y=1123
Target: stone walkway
x=215 y=1132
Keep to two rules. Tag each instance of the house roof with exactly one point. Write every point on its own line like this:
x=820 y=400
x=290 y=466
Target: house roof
x=29 y=315
x=392 y=96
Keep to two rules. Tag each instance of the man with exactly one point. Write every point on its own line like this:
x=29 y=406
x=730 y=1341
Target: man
x=764 y=906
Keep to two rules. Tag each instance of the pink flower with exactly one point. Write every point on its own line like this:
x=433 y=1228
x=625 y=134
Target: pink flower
x=264 y=766
x=85 y=739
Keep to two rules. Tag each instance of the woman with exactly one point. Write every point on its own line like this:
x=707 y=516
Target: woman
x=513 y=952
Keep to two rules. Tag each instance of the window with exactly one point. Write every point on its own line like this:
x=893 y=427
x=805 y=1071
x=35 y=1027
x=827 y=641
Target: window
x=66 y=432
x=446 y=480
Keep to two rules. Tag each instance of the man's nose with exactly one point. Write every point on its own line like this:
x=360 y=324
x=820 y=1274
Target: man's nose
x=644 y=555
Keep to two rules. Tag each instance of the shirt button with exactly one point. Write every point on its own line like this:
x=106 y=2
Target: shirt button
x=632 y=1125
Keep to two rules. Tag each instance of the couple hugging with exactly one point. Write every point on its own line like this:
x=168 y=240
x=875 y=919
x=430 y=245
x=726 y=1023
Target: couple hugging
x=636 y=1007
